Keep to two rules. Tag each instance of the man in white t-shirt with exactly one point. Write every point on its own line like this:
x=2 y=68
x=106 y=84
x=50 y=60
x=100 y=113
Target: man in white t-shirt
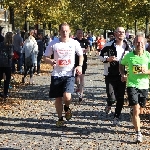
x=63 y=75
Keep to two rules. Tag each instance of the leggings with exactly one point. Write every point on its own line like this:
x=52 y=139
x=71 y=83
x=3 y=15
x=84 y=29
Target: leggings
x=7 y=71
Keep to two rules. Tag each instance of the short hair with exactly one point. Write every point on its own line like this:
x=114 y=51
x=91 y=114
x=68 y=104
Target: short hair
x=78 y=29
x=8 y=38
x=116 y=30
x=139 y=35
x=63 y=24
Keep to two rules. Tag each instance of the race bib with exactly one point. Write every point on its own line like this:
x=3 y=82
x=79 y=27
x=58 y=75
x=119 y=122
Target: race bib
x=64 y=62
x=137 y=69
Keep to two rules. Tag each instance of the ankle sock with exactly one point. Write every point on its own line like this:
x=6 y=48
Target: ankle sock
x=61 y=119
x=66 y=108
x=138 y=132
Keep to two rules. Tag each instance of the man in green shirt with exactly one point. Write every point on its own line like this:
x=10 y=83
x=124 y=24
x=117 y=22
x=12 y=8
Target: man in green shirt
x=137 y=80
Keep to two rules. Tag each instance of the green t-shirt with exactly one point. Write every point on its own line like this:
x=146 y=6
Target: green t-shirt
x=134 y=63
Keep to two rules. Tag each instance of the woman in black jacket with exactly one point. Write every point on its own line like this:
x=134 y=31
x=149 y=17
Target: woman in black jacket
x=6 y=53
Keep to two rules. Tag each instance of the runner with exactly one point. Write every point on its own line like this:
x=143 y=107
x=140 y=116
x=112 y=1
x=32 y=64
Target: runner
x=101 y=42
x=85 y=47
x=115 y=88
x=137 y=80
x=62 y=79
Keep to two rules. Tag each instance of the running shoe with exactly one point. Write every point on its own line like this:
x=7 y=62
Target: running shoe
x=108 y=109
x=116 y=121
x=60 y=123
x=139 y=138
x=68 y=114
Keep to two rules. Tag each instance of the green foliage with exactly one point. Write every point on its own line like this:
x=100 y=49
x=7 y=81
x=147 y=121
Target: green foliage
x=89 y=15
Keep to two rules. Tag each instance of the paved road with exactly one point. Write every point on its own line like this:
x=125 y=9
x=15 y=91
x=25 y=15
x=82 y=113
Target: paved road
x=30 y=123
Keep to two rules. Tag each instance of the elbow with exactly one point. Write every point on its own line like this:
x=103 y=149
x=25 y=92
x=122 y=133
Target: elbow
x=44 y=58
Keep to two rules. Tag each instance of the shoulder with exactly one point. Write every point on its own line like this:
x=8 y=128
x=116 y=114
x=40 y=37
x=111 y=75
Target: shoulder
x=75 y=38
x=129 y=54
x=147 y=53
x=73 y=41
x=109 y=43
x=84 y=40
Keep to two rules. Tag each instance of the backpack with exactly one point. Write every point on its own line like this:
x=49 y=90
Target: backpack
x=6 y=53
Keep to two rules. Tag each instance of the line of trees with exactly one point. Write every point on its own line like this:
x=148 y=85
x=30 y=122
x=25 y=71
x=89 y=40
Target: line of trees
x=89 y=15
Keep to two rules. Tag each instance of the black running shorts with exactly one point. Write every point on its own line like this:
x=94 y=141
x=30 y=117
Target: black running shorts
x=137 y=96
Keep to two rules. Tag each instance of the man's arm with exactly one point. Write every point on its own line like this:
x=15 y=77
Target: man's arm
x=87 y=49
x=121 y=69
x=80 y=60
x=102 y=57
x=105 y=58
x=48 y=53
x=49 y=61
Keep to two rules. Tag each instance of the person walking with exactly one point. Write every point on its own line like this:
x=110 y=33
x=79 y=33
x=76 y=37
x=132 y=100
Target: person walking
x=62 y=78
x=18 y=43
x=6 y=54
x=40 y=44
x=30 y=49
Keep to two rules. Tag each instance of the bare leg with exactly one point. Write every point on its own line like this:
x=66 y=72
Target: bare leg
x=136 y=118
x=67 y=99
x=59 y=106
x=81 y=84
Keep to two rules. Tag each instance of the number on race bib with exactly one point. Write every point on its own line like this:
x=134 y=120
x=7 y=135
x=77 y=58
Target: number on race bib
x=137 y=69
x=63 y=62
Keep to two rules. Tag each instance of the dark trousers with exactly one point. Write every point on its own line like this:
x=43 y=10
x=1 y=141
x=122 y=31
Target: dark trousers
x=30 y=69
x=7 y=71
x=19 y=62
x=115 y=90
x=39 y=57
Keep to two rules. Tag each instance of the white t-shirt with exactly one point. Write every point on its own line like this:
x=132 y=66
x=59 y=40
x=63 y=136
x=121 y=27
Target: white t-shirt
x=64 y=55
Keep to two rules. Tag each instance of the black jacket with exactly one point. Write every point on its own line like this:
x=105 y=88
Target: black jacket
x=112 y=67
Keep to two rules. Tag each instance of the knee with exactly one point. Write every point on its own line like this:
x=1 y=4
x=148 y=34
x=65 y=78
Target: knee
x=136 y=110
x=67 y=96
x=58 y=101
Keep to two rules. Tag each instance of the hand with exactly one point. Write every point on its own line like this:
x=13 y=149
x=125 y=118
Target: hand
x=111 y=58
x=144 y=70
x=53 y=63
x=86 y=50
x=123 y=78
x=78 y=70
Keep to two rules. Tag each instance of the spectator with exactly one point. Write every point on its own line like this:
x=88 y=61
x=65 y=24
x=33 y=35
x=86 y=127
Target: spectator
x=30 y=49
x=18 y=43
x=6 y=53
x=40 y=51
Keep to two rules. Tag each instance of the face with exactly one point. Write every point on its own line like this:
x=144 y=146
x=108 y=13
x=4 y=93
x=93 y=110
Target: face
x=40 y=36
x=101 y=37
x=111 y=37
x=65 y=31
x=139 y=43
x=79 y=33
x=32 y=32
x=120 y=33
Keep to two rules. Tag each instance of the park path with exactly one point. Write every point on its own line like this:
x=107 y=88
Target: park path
x=30 y=123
